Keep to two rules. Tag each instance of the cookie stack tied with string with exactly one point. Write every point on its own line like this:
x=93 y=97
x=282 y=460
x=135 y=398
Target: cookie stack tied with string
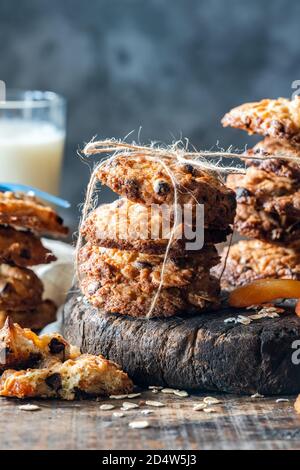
x=268 y=195
x=136 y=273
x=23 y=219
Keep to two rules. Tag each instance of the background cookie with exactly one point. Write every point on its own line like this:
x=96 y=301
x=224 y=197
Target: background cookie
x=267 y=148
x=22 y=248
x=24 y=211
x=20 y=288
x=279 y=118
x=249 y=260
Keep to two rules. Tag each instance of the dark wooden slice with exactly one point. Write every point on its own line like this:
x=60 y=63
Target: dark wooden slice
x=198 y=353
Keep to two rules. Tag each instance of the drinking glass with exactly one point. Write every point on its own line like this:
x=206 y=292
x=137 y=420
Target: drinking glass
x=32 y=138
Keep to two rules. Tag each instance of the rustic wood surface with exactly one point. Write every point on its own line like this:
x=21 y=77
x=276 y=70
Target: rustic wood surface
x=239 y=423
x=202 y=352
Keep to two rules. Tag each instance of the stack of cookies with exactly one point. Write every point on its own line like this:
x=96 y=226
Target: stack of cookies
x=23 y=219
x=122 y=267
x=268 y=196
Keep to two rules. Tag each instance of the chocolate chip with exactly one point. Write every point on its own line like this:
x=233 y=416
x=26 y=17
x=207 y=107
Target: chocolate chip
x=56 y=346
x=242 y=193
x=132 y=188
x=54 y=381
x=161 y=188
x=59 y=220
x=25 y=253
x=189 y=169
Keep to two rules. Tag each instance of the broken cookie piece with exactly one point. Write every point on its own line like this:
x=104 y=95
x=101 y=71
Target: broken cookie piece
x=85 y=376
x=21 y=348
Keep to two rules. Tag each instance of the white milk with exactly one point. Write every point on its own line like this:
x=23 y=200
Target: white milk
x=31 y=153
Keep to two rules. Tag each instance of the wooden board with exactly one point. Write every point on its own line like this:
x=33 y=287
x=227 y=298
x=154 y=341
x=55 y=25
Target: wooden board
x=240 y=423
x=200 y=353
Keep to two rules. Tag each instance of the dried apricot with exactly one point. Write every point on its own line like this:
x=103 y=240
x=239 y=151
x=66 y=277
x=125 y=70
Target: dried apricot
x=264 y=290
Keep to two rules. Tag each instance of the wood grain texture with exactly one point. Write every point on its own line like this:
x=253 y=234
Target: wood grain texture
x=241 y=423
x=198 y=353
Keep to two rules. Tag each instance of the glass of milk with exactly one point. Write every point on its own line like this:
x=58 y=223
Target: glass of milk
x=32 y=138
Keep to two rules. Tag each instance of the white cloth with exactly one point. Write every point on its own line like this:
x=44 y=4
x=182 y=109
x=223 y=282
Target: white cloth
x=57 y=278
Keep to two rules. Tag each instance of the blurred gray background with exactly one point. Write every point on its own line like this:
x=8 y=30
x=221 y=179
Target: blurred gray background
x=173 y=67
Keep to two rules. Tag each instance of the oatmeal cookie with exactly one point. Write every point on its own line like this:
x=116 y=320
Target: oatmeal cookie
x=132 y=292
x=35 y=319
x=147 y=182
x=86 y=376
x=268 y=206
x=21 y=348
x=249 y=260
x=22 y=248
x=282 y=168
x=20 y=288
x=132 y=266
x=130 y=226
x=279 y=118
x=24 y=211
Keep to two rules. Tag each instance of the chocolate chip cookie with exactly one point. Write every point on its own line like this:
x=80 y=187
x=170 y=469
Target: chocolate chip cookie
x=268 y=206
x=126 y=283
x=24 y=211
x=249 y=260
x=85 y=376
x=22 y=248
x=130 y=226
x=148 y=181
x=279 y=167
x=279 y=119
x=20 y=288
x=35 y=319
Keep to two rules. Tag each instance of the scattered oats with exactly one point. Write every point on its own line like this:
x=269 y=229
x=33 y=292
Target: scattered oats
x=118 y=414
x=139 y=424
x=230 y=320
x=281 y=400
x=243 y=320
x=134 y=395
x=147 y=412
x=155 y=387
x=211 y=401
x=181 y=393
x=257 y=395
x=118 y=397
x=129 y=406
x=29 y=407
x=168 y=390
x=199 y=406
x=158 y=404
x=209 y=410
x=106 y=407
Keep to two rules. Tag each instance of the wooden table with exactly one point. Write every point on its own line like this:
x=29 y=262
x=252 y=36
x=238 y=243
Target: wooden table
x=239 y=423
